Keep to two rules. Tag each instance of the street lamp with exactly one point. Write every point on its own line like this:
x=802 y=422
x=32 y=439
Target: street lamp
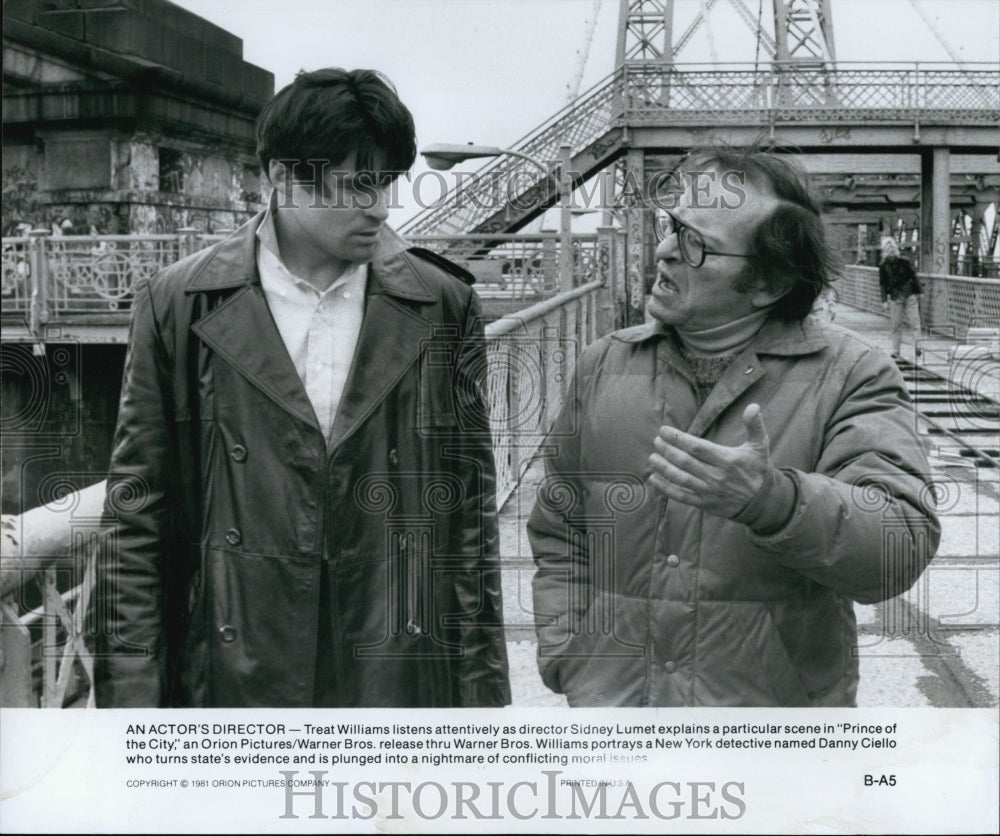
x=442 y=156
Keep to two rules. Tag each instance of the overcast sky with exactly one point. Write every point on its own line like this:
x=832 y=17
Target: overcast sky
x=490 y=71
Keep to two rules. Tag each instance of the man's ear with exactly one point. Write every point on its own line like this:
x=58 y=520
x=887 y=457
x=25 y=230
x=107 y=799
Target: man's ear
x=760 y=295
x=764 y=298
x=276 y=172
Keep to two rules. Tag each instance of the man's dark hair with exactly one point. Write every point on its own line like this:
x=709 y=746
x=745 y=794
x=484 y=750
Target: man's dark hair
x=330 y=114
x=791 y=246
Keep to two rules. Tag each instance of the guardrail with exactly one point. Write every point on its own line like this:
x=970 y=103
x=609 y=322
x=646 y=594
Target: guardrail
x=93 y=278
x=47 y=277
x=950 y=305
x=531 y=356
x=521 y=267
x=48 y=553
x=789 y=92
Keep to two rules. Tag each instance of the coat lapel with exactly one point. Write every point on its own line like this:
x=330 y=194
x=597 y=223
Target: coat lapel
x=775 y=337
x=241 y=330
x=742 y=373
x=393 y=335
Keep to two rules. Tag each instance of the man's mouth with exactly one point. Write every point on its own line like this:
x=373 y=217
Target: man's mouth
x=664 y=283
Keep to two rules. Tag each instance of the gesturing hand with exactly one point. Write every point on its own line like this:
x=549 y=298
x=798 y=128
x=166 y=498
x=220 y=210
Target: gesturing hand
x=718 y=479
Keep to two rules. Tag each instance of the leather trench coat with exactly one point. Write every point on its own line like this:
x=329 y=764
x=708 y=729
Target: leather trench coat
x=644 y=601
x=224 y=499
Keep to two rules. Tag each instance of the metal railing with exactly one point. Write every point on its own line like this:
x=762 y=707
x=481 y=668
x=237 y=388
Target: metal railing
x=508 y=178
x=844 y=92
x=531 y=357
x=516 y=267
x=950 y=304
x=46 y=277
x=48 y=553
x=51 y=278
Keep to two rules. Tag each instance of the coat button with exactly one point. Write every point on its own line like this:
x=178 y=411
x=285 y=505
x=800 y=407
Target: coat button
x=748 y=370
x=233 y=537
x=227 y=633
x=393 y=457
x=670 y=667
x=239 y=453
x=673 y=560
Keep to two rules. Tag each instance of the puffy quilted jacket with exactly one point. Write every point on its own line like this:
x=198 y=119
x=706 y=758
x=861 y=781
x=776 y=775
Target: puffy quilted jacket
x=641 y=601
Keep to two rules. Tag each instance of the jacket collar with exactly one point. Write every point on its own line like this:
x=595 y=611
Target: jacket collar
x=232 y=263
x=777 y=336
x=241 y=330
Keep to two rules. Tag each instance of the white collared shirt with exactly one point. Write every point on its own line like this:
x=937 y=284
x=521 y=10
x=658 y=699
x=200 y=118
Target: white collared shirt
x=320 y=329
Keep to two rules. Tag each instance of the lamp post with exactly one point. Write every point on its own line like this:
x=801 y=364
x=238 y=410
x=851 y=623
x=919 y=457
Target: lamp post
x=442 y=156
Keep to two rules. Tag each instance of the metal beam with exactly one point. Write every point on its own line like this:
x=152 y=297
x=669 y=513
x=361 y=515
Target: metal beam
x=759 y=32
x=689 y=32
x=645 y=28
x=821 y=139
x=803 y=30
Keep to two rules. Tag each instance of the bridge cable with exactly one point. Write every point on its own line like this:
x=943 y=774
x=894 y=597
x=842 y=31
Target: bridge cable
x=937 y=34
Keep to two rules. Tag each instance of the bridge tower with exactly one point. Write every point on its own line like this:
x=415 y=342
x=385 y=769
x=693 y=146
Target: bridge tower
x=803 y=30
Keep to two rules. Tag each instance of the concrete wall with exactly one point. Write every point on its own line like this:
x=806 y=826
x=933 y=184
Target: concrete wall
x=59 y=411
x=219 y=188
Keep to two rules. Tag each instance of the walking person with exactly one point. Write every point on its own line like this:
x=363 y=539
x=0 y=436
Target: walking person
x=900 y=288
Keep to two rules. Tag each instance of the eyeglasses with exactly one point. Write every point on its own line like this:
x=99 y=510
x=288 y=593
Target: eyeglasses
x=689 y=240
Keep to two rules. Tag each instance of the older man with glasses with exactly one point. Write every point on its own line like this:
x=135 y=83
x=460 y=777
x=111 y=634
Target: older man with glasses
x=723 y=480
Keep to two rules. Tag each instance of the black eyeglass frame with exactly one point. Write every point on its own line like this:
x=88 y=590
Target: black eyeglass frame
x=678 y=227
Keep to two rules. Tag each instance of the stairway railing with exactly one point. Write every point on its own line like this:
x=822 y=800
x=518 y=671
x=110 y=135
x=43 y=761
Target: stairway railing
x=578 y=124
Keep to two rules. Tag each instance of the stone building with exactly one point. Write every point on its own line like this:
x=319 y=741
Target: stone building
x=120 y=116
x=126 y=116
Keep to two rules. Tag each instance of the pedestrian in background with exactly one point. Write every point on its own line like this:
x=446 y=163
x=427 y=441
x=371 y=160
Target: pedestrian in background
x=900 y=288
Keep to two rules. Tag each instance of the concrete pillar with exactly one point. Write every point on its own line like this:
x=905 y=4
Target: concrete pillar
x=607 y=261
x=635 y=226
x=935 y=210
x=976 y=248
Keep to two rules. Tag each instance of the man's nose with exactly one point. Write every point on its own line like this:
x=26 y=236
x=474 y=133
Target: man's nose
x=378 y=207
x=668 y=249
